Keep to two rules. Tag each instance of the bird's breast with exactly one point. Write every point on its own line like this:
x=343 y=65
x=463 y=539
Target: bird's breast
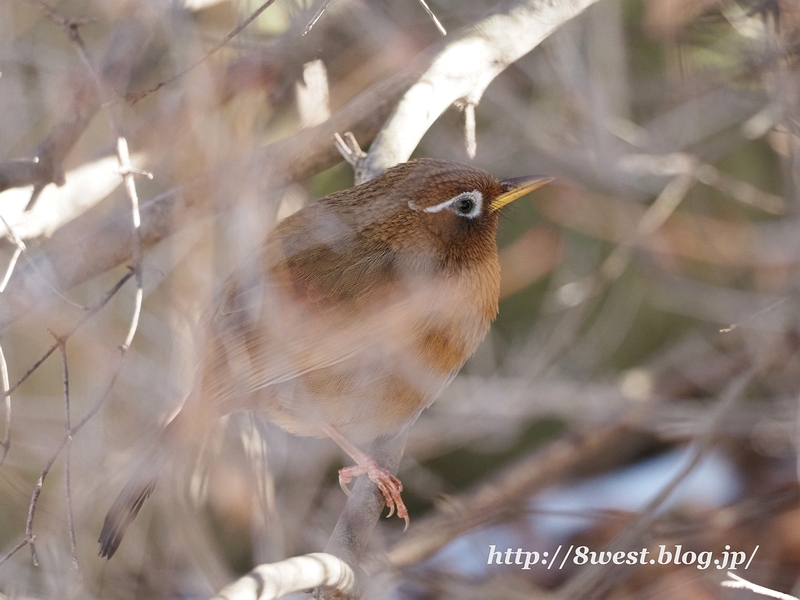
x=368 y=368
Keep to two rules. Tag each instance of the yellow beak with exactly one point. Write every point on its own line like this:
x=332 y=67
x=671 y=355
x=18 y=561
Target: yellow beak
x=516 y=188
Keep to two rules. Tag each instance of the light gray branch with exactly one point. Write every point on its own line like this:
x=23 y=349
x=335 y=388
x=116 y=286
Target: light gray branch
x=463 y=69
x=271 y=581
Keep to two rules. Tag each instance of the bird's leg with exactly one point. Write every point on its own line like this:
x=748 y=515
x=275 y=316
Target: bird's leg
x=389 y=485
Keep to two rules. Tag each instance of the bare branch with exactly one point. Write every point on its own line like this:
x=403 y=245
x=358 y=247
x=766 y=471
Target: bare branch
x=68 y=451
x=90 y=312
x=740 y=583
x=6 y=443
x=20 y=248
x=20 y=545
x=436 y=22
x=66 y=440
x=463 y=69
x=496 y=499
x=123 y=155
x=592 y=580
x=323 y=5
x=272 y=581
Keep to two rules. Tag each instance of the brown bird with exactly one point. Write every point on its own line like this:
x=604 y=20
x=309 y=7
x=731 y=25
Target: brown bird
x=350 y=319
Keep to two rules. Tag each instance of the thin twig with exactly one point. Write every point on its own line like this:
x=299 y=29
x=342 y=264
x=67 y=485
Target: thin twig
x=20 y=247
x=316 y=16
x=130 y=188
x=123 y=155
x=13 y=551
x=90 y=312
x=436 y=22
x=351 y=151
x=42 y=277
x=755 y=315
x=6 y=443
x=740 y=583
x=29 y=537
x=62 y=346
x=134 y=97
x=32 y=506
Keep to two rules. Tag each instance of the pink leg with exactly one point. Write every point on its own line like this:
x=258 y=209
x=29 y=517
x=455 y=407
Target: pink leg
x=389 y=485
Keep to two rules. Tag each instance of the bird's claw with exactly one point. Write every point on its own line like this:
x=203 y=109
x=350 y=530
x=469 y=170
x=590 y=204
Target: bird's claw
x=343 y=485
x=389 y=486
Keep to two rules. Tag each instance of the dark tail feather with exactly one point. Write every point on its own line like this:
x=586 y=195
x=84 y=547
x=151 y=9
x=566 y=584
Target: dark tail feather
x=130 y=499
x=122 y=513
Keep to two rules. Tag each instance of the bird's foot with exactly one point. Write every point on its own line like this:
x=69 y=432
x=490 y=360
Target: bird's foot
x=389 y=485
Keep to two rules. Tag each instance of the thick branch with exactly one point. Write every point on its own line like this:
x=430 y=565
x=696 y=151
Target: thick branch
x=463 y=69
x=271 y=581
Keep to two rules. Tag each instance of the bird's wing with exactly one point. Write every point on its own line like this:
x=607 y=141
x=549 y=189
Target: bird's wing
x=296 y=305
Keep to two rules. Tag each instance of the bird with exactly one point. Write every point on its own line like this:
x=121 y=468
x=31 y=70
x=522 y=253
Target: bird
x=348 y=320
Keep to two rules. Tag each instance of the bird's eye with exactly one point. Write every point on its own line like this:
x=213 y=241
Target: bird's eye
x=465 y=205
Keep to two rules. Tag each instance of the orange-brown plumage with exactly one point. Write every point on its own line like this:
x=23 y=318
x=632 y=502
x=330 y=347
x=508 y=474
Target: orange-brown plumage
x=353 y=314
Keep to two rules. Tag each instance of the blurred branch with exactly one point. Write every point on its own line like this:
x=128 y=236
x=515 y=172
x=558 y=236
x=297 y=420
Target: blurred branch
x=593 y=580
x=70 y=257
x=134 y=97
x=127 y=172
x=688 y=236
x=126 y=45
x=682 y=163
x=503 y=496
x=90 y=312
x=71 y=431
x=322 y=6
x=296 y=574
x=463 y=69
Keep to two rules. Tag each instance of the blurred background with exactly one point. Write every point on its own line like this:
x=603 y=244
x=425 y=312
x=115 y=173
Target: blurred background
x=639 y=388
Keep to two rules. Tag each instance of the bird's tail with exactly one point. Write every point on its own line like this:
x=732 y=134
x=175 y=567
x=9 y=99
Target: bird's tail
x=130 y=500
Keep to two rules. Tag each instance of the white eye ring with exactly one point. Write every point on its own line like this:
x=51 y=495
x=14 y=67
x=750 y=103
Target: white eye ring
x=466 y=204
